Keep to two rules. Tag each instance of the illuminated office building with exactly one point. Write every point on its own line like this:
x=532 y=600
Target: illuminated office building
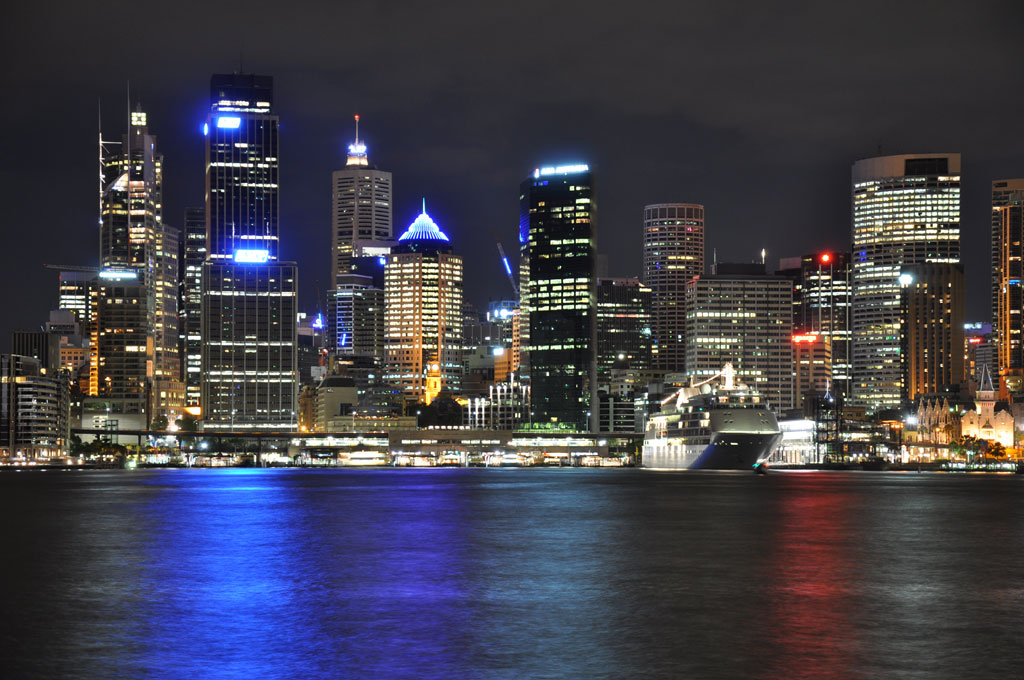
x=673 y=254
x=121 y=347
x=1008 y=272
x=559 y=296
x=134 y=238
x=193 y=256
x=249 y=316
x=822 y=294
x=361 y=223
x=73 y=293
x=932 y=332
x=812 y=367
x=743 y=316
x=423 y=314
x=1004 y=192
x=906 y=211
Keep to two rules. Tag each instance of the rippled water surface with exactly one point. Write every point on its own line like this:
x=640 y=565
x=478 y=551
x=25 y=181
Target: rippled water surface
x=504 y=573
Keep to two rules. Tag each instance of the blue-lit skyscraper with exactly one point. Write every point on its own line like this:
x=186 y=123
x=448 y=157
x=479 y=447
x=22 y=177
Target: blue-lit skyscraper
x=249 y=312
x=560 y=296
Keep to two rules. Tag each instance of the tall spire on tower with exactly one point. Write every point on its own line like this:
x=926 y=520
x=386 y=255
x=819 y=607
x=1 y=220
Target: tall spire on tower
x=357 y=150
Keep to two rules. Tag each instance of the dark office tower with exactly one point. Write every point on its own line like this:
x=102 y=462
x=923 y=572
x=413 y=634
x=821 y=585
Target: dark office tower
x=932 y=332
x=561 y=296
x=906 y=211
x=1008 y=274
x=42 y=346
x=192 y=258
x=249 y=308
x=673 y=254
x=821 y=307
x=623 y=327
x=1004 y=192
x=361 y=223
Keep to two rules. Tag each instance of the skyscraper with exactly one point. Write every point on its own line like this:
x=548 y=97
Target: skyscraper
x=560 y=296
x=249 y=313
x=423 y=313
x=134 y=239
x=741 y=315
x=933 y=328
x=906 y=211
x=673 y=254
x=623 y=326
x=821 y=307
x=360 y=210
x=192 y=258
x=1004 y=191
x=1008 y=275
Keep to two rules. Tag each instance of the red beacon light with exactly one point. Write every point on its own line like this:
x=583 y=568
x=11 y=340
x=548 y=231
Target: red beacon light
x=826 y=258
x=805 y=337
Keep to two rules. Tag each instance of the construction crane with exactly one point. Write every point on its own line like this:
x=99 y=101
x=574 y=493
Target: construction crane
x=508 y=267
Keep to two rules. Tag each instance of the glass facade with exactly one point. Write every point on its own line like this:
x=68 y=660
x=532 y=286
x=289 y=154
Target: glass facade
x=906 y=211
x=561 y=296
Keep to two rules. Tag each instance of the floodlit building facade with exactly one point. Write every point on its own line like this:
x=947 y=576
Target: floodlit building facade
x=673 y=254
x=423 y=314
x=559 y=296
x=906 y=211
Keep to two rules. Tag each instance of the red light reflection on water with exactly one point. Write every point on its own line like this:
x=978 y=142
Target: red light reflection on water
x=810 y=629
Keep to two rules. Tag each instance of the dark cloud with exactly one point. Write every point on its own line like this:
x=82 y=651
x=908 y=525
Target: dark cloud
x=755 y=109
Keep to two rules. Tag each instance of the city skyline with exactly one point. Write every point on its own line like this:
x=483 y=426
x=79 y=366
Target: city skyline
x=470 y=160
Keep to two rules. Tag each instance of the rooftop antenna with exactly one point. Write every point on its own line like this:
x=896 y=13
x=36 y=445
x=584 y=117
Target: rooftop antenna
x=357 y=129
x=424 y=205
x=763 y=254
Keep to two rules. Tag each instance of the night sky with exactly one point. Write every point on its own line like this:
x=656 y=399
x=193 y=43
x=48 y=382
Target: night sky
x=755 y=110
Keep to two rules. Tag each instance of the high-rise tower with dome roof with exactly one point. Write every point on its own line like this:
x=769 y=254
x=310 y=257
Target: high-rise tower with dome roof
x=423 y=313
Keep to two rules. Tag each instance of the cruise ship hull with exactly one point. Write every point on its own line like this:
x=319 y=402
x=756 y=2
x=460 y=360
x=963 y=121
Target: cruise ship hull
x=727 y=451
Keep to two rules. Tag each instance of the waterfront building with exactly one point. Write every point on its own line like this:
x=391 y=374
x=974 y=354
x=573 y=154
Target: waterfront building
x=623 y=326
x=984 y=422
x=336 y=398
x=34 y=410
x=906 y=211
x=560 y=296
x=1004 y=192
x=932 y=332
x=822 y=294
x=673 y=254
x=1008 y=273
x=423 y=313
x=505 y=406
x=249 y=310
x=743 y=316
x=191 y=304
x=361 y=212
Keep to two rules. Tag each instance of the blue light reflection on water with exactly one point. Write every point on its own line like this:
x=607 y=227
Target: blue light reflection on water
x=510 y=574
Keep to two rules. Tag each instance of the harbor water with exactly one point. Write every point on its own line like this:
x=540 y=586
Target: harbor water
x=510 y=573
